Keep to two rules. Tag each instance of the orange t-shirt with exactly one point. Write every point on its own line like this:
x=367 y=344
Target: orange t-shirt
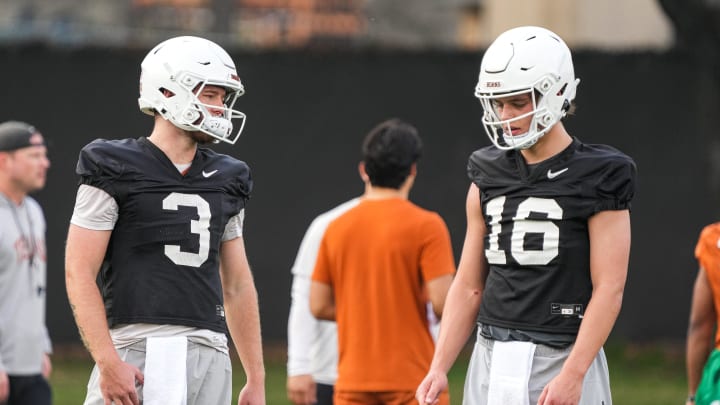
x=377 y=257
x=707 y=253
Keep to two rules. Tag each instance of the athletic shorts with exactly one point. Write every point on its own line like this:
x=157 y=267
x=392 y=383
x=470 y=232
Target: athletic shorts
x=209 y=375
x=29 y=390
x=382 y=398
x=546 y=364
x=324 y=394
x=709 y=389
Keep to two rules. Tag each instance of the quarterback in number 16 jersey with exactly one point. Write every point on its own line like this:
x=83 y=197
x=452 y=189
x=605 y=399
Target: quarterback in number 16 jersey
x=163 y=257
x=537 y=244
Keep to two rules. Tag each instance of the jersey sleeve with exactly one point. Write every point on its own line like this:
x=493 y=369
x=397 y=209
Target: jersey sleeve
x=707 y=248
x=437 y=255
x=97 y=167
x=615 y=185
x=301 y=323
x=303 y=327
x=321 y=272
x=239 y=183
x=477 y=169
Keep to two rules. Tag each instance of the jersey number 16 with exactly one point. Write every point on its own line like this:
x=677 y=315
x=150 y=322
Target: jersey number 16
x=521 y=226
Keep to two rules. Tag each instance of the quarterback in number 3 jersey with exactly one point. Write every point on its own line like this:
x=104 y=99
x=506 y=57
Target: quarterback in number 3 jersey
x=156 y=270
x=171 y=229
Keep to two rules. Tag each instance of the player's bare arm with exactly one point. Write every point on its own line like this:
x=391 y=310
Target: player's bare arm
x=322 y=301
x=609 y=233
x=437 y=289
x=301 y=389
x=700 y=330
x=84 y=254
x=243 y=318
x=462 y=304
x=4 y=386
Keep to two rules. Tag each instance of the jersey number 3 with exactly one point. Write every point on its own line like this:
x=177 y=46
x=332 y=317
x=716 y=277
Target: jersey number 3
x=521 y=226
x=200 y=227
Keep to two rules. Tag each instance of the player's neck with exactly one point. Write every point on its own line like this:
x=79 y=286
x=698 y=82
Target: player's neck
x=176 y=145
x=554 y=142
x=382 y=193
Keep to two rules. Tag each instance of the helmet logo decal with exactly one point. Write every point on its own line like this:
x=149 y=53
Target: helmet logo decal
x=493 y=85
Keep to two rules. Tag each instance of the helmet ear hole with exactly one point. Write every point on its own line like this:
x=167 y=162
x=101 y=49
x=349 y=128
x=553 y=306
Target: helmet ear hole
x=566 y=105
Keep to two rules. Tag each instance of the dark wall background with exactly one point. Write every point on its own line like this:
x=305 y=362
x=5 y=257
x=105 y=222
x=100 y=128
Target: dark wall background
x=308 y=112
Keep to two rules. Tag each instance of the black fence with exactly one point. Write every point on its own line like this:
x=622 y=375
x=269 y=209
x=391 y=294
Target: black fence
x=308 y=112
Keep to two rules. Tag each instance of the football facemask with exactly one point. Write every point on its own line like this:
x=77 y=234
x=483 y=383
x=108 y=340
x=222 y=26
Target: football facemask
x=523 y=60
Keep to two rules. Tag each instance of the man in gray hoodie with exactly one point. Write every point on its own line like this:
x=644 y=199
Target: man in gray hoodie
x=24 y=341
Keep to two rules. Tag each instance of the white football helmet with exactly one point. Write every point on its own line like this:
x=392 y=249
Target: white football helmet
x=184 y=66
x=522 y=60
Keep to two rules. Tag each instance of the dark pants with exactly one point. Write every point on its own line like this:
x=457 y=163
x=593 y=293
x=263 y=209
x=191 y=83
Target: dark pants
x=324 y=394
x=29 y=390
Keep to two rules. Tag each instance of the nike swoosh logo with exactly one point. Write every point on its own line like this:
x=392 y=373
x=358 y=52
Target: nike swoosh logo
x=551 y=175
x=208 y=174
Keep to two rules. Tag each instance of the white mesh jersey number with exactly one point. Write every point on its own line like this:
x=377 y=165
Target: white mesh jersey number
x=201 y=227
x=521 y=226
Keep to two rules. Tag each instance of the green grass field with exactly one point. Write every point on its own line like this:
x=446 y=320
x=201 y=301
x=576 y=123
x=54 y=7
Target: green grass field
x=639 y=376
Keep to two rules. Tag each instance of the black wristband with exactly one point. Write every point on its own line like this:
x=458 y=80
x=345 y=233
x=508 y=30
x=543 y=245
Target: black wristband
x=691 y=398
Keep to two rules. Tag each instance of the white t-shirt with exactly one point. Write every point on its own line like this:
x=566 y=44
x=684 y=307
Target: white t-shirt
x=312 y=343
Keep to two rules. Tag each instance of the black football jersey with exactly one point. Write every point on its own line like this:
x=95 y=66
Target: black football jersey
x=162 y=263
x=537 y=245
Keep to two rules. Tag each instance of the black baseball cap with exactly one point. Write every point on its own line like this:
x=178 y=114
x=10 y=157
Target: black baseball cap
x=17 y=135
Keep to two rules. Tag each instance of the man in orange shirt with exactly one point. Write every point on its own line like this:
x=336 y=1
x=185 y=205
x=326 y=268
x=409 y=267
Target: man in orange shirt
x=378 y=265
x=702 y=386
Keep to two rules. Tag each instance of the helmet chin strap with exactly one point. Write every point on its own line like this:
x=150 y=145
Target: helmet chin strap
x=512 y=140
x=218 y=126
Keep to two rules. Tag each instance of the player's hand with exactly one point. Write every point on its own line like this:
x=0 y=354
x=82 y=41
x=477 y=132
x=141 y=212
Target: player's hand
x=117 y=383
x=4 y=387
x=46 y=366
x=428 y=392
x=252 y=395
x=301 y=389
x=564 y=389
